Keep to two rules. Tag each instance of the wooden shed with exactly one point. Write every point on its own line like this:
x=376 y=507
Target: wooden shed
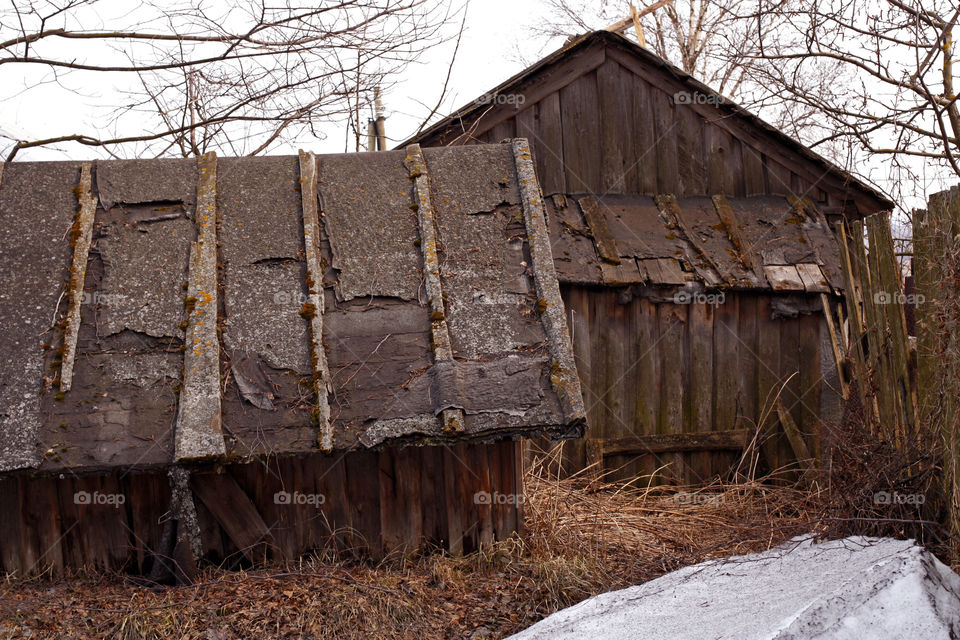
x=247 y=358
x=695 y=254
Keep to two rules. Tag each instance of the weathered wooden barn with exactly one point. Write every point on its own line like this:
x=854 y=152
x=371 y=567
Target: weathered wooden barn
x=239 y=359
x=658 y=186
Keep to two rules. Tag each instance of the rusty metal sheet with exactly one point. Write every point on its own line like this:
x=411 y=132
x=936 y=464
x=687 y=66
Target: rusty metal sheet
x=366 y=203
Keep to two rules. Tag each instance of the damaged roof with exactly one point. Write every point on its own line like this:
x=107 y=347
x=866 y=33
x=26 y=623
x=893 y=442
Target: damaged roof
x=768 y=243
x=166 y=311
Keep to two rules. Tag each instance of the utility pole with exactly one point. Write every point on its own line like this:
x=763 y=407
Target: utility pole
x=380 y=123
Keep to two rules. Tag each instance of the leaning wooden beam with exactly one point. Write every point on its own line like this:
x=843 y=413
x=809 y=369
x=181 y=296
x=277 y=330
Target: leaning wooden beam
x=835 y=345
x=235 y=512
x=199 y=432
x=563 y=372
x=81 y=237
x=315 y=304
x=635 y=15
x=439 y=333
x=800 y=450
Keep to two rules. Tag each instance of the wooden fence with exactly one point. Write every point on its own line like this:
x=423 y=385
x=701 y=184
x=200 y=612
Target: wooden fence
x=936 y=269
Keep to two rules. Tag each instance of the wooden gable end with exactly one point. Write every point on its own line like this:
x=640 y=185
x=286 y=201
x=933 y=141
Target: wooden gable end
x=604 y=119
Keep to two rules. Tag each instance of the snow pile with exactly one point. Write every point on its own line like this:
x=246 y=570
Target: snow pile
x=853 y=588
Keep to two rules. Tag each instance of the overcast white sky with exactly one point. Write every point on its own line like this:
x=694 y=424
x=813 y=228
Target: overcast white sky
x=490 y=51
x=499 y=40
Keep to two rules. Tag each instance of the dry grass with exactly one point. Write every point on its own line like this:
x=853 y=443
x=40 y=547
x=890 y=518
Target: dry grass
x=583 y=537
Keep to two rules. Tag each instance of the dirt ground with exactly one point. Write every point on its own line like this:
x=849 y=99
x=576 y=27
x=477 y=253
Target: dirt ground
x=581 y=538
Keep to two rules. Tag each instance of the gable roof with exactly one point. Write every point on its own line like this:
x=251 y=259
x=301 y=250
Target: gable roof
x=167 y=311
x=586 y=53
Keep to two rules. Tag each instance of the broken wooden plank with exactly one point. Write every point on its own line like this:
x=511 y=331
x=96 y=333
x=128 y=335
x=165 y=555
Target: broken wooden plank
x=81 y=237
x=670 y=271
x=597 y=223
x=314 y=307
x=563 y=371
x=726 y=440
x=783 y=277
x=812 y=278
x=627 y=272
x=198 y=432
x=451 y=417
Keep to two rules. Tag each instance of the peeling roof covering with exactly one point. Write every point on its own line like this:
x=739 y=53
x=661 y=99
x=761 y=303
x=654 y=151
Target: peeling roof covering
x=416 y=304
x=760 y=242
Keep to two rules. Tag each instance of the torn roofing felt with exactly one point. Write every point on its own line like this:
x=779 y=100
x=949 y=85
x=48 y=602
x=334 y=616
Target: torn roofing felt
x=165 y=311
x=770 y=243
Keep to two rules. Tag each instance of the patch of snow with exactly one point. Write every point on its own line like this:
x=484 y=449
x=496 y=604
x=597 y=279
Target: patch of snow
x=848 y=589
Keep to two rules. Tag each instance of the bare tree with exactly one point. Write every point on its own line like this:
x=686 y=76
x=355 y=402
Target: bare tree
x=891 y=93
x=237 y=75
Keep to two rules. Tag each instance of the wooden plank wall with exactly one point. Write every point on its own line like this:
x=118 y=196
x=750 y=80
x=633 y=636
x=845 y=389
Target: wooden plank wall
x=661 y=368
x=613 y=131
x=376 y=503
